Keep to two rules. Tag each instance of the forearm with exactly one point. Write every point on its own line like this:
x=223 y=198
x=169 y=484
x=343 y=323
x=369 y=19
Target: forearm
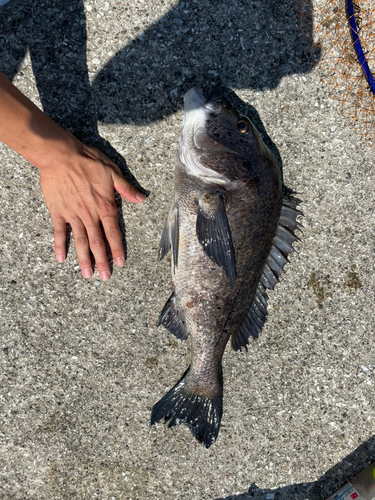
x=29 y=131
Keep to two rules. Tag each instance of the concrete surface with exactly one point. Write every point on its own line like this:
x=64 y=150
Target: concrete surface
x=82 y=362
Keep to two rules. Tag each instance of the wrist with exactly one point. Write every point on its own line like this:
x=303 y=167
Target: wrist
x=56 y=149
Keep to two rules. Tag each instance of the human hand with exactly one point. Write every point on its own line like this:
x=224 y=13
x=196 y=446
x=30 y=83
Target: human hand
x=79 y=190
x=77 y=181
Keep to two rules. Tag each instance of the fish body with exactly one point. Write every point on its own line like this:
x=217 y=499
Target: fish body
x=228 y=245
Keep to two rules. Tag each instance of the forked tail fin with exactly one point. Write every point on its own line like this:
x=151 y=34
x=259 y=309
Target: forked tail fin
x=187 y=404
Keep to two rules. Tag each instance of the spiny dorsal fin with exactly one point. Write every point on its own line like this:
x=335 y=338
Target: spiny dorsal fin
x=171 y=319
x=214 y=234
x=170 y=236
x=256 y=312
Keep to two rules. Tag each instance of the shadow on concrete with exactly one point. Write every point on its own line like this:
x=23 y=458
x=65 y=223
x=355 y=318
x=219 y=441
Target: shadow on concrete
x=331 y=481
x=234 y=43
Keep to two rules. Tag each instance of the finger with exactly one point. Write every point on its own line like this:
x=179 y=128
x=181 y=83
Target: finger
x=59 y=235
x=81 y=243
x=113 y=235
x=97 y=247
x=127 y=190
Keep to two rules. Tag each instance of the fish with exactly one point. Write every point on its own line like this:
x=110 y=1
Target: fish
x=230 y=228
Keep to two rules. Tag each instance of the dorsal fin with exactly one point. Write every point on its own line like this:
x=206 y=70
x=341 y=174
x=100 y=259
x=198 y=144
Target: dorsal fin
x=256 y=311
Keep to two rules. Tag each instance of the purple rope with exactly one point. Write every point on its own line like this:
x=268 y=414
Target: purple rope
x=357 y=45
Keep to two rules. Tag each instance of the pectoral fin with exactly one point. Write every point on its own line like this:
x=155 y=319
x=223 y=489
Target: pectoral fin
x=214 y=234
x=170 y=236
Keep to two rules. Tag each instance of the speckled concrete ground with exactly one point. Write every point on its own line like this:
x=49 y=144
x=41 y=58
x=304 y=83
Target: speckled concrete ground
x=82 y=362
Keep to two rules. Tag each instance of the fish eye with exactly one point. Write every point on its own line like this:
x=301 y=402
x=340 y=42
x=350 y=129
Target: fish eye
x=243 y=125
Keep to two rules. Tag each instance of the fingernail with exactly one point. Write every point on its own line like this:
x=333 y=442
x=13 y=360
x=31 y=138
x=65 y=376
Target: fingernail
x=104 y=275
x=60 y=258
x=86 y=273
x=119 y=261
x=140 y=197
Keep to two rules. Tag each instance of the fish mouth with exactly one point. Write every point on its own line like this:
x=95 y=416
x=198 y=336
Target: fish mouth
x=214 y=101
x=197 y=107
x=197 y=111
x=195 y=139
x=195 y=99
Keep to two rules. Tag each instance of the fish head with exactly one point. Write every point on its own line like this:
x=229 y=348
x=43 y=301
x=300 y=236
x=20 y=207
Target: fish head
x=213 y=123
x=217 y=141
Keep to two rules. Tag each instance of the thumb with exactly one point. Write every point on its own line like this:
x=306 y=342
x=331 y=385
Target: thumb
x=127 y=190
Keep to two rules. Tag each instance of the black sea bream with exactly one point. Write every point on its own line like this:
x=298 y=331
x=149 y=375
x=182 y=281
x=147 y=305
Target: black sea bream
x=230 y=229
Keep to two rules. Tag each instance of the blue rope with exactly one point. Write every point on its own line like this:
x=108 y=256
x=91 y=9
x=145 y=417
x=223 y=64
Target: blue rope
x=357 y=45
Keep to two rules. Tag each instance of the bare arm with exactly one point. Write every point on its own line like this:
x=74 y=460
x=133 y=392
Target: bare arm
x=77 y=181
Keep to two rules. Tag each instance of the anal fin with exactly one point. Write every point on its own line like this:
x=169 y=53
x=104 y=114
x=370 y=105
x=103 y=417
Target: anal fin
x=172 y=320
